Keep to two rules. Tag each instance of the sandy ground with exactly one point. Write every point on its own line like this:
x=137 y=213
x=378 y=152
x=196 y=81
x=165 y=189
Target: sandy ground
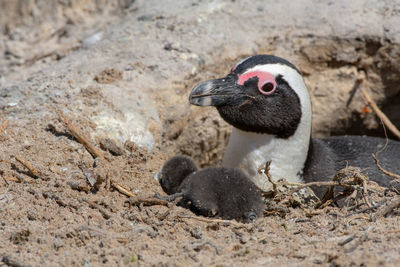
x=59 y=219
x=67 y=209
x=48 y=221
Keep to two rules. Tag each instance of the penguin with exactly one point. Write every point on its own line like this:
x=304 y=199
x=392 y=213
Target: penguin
x=265 y=99
x=216 y=192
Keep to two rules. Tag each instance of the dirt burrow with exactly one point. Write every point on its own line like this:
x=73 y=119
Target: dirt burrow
x=338 y=63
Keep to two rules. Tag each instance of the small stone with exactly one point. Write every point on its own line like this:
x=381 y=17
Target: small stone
x=92 y=39
x=196 y=232
x=58 y=243
x=131 y=259
x=109 y=145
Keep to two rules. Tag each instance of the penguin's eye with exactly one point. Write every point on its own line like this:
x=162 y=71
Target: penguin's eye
x=252 y=216
x=266 y=83
x=267 y=88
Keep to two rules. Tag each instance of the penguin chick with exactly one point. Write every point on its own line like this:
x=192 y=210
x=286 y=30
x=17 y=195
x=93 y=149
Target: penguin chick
x=225 y=193
x=174 y=171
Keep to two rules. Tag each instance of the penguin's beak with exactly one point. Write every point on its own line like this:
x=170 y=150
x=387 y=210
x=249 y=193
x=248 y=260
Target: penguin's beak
x=215 y=92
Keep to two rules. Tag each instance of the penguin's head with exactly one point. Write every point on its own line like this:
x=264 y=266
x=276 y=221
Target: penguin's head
x=174 y=171
x=263 y=94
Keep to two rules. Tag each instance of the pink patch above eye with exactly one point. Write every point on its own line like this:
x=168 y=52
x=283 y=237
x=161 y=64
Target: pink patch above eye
x=263 y=79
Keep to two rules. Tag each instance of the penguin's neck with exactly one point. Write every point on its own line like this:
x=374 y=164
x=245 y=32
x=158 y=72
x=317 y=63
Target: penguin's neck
x=249 y=151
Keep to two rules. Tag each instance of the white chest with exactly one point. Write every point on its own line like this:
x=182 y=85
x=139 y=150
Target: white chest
x=249 y=151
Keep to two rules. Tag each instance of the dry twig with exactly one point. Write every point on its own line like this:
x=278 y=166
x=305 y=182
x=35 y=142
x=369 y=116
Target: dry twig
x=57 y=53
x=5 y=180
x=13 y=179
x=108 y=181
x=29 y=166
x=122 y=190
x=19 y=178
x=272 y=210
x=265 y=170
x=380 y=114
x=347 y=184
x=363 y=210
x=383 y=170
x=386 y=209
x=392 y=232
x=78 y=136
x=347 y=240
x=208 y=220
x=149 y=201
x=300 y=186
x=350 y=179
x=3 y=126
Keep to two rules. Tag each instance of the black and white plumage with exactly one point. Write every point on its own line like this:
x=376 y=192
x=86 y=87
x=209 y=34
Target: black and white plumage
x=266 y=101
x=213 y=192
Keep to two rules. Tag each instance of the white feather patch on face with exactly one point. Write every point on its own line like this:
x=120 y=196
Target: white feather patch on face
x=248 y=151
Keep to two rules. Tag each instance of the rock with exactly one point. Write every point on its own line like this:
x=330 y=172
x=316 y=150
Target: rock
x=92 y=39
